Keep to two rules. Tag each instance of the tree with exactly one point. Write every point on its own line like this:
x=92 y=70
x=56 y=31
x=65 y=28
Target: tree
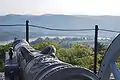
x=102 y=48
x=3 y=49
x=101 y=52
x=44 y=44
x=77 y=55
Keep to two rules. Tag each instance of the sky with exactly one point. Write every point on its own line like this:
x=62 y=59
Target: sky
x=67 y=7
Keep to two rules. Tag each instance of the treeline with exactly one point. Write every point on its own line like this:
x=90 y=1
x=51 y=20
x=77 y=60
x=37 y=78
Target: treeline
x=77 y=54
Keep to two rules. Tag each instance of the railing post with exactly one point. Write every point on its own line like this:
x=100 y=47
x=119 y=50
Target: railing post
x=27 y=31
x=95 y=48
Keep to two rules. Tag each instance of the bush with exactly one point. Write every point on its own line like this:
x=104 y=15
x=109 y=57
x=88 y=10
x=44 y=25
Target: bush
x=3 y=49
x=77 y=55
x=44 y=44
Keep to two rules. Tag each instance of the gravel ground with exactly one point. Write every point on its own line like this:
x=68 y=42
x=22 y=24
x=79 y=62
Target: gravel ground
x=2 y=77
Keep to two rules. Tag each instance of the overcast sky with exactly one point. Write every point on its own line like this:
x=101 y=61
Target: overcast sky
x=69 y=7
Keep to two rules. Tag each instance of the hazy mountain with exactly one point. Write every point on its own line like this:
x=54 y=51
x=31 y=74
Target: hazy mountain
x=58 y=21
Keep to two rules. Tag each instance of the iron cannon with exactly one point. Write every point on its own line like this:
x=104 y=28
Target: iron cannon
x=32 y=64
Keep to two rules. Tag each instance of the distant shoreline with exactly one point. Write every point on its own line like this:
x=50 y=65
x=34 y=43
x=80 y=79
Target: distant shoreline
x=32 y=39
x=9 y=41
x=61 y=37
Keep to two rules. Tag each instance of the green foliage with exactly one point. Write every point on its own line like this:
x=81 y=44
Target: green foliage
x=3 y=49
x=102 y=48
x=77 y=55
x=118 y=65
x=44 y=44
x=2 y=63
x=118 y=62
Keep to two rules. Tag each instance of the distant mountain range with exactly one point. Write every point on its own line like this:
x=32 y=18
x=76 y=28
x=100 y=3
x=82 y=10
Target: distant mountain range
x=56 y=21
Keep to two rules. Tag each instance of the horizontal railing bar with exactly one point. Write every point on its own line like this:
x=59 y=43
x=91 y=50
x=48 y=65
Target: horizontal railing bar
x=109 y=30
x=14 y=25
x=60 y=29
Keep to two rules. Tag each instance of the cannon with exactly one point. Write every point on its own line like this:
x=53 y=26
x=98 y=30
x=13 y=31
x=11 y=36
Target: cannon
x=32 y=64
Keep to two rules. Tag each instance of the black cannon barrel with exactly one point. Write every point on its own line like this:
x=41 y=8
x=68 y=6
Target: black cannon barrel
x=44 y=65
